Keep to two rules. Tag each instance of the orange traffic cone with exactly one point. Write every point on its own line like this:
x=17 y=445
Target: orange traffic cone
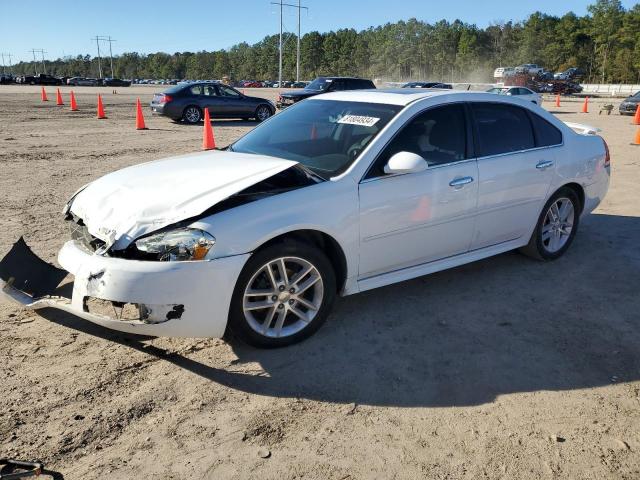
x=208 y=142
x=59 y=97
x=636 y=117
x=43 y=95
x=557 y=100
x=139 y=116
x=101 y=114
x=636 y=140
x=585 y=105
x=74 y=105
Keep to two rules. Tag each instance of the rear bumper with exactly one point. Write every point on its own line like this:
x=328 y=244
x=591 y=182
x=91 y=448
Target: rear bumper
x=174 y=299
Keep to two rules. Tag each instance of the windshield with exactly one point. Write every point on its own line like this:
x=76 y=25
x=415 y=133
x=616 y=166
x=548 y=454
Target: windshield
x=319 y=84
x=326 y=136
x=498 y=90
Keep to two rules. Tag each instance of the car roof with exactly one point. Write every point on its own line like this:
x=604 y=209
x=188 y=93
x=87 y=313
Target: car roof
x=405 y=96
x=345 y=78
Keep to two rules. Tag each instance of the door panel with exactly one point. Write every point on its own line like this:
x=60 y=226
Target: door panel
x=232 y=103
x=407 y=220
x=511 y=193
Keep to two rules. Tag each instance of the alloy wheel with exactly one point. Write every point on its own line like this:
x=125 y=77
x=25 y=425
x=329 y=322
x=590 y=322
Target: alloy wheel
x=192 y=115
x=558 y=224
x=263 y=113
x=283 y=297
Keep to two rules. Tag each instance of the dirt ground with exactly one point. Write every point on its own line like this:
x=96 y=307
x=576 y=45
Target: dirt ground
x=504 y=368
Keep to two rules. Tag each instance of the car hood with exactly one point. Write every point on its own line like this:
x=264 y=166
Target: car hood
x=123 y=205
x=301 y=93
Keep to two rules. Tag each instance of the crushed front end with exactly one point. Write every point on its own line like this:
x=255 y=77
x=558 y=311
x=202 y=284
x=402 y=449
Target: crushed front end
x=177 y=299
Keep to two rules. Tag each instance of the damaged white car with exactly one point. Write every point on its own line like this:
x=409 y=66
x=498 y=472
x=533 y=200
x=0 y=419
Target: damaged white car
x=338 y=194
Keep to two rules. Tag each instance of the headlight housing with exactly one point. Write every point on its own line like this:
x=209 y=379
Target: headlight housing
x=183 y=244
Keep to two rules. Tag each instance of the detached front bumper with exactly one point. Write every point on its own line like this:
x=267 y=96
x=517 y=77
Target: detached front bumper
x=173 y=299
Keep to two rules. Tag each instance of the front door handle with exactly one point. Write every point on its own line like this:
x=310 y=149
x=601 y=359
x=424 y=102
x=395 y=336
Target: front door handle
x=460 y=182
x=543 y=164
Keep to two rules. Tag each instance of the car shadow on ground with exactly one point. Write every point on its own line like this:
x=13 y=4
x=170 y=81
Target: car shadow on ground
x=460 y=337
x=222 y=123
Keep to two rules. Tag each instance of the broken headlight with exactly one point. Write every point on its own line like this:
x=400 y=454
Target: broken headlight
x=183 y=244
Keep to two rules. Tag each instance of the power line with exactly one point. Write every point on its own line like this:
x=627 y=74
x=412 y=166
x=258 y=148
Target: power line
x=299 y=7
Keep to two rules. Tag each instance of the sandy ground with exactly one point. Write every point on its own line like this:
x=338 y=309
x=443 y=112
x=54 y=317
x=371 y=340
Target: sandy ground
x=505 y=368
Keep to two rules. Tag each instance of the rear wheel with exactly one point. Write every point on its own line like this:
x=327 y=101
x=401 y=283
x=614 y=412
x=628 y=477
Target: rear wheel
x=283 y=295
x=192 y=114
x=556 y=227
x=262 y=113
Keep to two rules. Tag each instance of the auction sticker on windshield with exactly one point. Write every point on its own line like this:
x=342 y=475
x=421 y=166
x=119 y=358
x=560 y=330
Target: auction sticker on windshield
x=359 y=120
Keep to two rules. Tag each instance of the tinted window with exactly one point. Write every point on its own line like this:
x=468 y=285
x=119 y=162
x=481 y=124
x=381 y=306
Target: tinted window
x=502 y=128
x=437 y=135
x=196 y=90
x=546 y=134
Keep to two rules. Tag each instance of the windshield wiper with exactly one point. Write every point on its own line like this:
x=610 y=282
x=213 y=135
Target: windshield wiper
x=310 y=173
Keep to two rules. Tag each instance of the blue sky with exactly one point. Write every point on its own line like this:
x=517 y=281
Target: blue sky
x=66 y=28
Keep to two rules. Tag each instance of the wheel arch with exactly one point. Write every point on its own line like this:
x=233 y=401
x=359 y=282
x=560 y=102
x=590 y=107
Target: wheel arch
x=322 y=240
x=189 y=105
x=577 y=189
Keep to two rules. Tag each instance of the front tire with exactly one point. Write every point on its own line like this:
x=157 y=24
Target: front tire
x=556 y=227
x=263 y=112
x=192 y=115
x=283 y=295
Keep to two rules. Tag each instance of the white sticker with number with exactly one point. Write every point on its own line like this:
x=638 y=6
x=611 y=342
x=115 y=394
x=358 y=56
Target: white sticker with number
x=359 y=120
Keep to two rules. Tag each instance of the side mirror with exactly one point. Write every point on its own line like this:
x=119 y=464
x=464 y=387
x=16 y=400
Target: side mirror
x=405 y=162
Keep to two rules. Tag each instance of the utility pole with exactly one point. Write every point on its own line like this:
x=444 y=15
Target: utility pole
x=111 y=54
x=35 y=61
x=4 y=67
x=299 y=7
x=97 y=39
x=298 y=46
x=44 y=68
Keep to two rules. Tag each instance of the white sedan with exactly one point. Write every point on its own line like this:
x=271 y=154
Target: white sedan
x=523 y=93
x=340 y=193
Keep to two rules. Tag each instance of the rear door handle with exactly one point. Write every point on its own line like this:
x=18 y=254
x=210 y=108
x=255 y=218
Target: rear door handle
x=460 y=182
x=544 y=164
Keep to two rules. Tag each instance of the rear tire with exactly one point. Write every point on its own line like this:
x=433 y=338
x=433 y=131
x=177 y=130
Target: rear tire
x=192 y=115
x=556 y=227
x=271 y=310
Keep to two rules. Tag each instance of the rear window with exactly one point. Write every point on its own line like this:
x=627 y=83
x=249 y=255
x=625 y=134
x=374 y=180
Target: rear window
x=546 y=134
x=502 y=128
x=175 y=89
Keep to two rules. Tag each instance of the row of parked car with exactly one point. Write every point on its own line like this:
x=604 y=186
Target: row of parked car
x=44 y=79
x=573 y=73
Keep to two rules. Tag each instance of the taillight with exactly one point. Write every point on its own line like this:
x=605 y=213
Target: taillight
x=607 y=156
x=166 y=98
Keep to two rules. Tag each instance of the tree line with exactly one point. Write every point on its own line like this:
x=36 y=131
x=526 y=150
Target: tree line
x=605 y=43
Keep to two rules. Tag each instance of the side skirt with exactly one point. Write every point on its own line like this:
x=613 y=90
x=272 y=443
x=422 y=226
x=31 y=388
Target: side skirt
x=426 y=268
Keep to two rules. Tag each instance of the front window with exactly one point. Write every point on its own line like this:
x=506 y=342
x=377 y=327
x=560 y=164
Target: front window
x=499 y=91
x=227 y=91
x=326 y=136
